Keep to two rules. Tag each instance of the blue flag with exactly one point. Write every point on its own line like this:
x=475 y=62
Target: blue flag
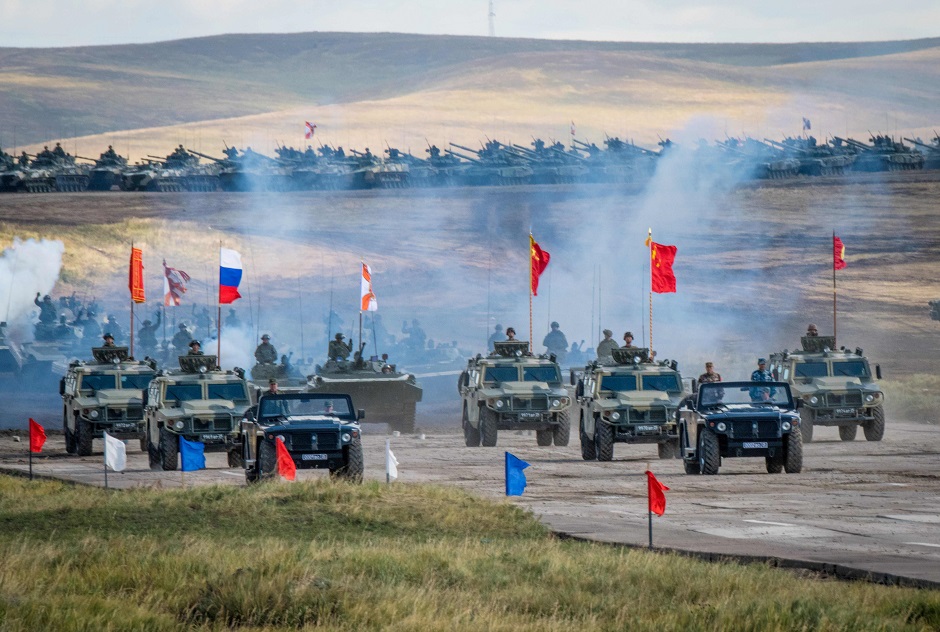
x=192 y=455
x=515 y=477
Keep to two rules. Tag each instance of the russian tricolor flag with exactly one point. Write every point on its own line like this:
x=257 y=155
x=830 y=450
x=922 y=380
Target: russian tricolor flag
x=230 y=275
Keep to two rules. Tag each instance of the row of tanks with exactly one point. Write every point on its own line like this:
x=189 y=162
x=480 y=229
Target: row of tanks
x=494 y=164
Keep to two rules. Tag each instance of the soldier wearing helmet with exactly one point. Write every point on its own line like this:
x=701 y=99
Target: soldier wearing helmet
x=195 y=348
x=265 y=353
x=339 y=350
x=555 y=342
x=498 y=335
x=811 y=330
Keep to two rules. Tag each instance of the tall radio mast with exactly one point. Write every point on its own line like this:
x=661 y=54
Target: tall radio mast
x=492 y=16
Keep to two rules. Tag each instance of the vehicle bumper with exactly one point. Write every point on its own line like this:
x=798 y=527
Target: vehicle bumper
x=646 y=433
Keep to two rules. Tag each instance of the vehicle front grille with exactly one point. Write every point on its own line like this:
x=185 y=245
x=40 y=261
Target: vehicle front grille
x=844 y=399
x=133 y=413
x=526 y=403
x=321 y=440
x=655 y=415
x=753 y=428
x=212 y=424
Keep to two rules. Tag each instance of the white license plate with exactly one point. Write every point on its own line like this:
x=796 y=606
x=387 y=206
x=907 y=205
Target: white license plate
x=754 y=445
x=530 y=416
x=125 y=427
x=647 y=428
x=845 y=411
x=314 y=457
x=212 y=437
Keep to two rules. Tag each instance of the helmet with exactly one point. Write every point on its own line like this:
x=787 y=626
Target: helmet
x=340 y=336
x=554 y=324
x=195 y=343
x=265 y=337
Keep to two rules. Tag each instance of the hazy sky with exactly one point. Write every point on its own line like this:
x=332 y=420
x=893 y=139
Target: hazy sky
x=40 y=23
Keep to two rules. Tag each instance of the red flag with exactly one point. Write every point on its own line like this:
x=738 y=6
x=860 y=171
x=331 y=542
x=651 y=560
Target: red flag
x=662 y=258
x=838 y=253
x=174 y=285
x=657 y=499
x=539 y=260
x=285 y=464
x=309 y=129
x=136 y=276
x=37 y=436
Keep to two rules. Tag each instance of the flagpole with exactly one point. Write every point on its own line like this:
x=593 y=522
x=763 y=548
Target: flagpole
x=649 y=506
x=30 y=448
x=650 y=245
x=132 y=299
x=218 y=341
x=106 y=462
x=834 y=334
x=531 y=345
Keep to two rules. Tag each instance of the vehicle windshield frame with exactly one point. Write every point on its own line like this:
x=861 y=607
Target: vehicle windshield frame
x=537 y=373
x=97 y=382
x=848 y=362
x=724 y=394
x=802 y=374
x=675 y=382
x=286 y=405
x=510 y=371
x=213 y=389
x=174 y=391
x=139 y=381
x=619 y=383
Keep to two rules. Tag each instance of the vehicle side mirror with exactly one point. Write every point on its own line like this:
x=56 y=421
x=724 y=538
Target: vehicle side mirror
x=694 y=385
x=878 y=371
x=144 y=397
x=361 y=414
x=62 y=386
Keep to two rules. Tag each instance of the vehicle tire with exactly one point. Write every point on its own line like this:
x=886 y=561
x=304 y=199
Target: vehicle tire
x=847 y=433
x=488 y=433
x=561 y=433
x=235 y=458
x=807 y=417
x=709 y=455
x=153 y=456
x=588 y=449
x=793 y=459
x=667 y=450
x=775 y=463
x=143 y=443
x=267 y=460
x=875 y=429
x=85 y=437
x=690 y=466
x=543 y=437
x=604 y=439
x=352 y=470
x=71 y=445
x=169 y=450
x=471 y=435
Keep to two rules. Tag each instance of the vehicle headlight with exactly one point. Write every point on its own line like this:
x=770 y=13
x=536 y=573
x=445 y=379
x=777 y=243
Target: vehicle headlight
x=814 y=400
x=869 y=398
x=721 y=427
x=179 y=425
x=786 y=425
x=555 y=403
x=500 y=403
x=346 y=437
x=615 y=415
x=93 y=414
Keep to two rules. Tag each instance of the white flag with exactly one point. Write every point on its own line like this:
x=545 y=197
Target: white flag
x=369 y=304
x=115 y=453
x=391 y=463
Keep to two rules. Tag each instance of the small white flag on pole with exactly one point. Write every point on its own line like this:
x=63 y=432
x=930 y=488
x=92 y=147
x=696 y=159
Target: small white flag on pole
x=115 y=453
x=391 y=463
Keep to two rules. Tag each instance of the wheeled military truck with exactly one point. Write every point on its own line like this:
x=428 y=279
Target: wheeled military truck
x=631 y=400
x=105 y=395
x=510 y=389
x=319 y=430
x=199 y=402
x=832 y=387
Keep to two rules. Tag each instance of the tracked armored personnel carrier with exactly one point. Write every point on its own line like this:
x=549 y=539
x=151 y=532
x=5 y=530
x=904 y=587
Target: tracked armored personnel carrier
x=629 y=401
x=319 y=430
x=510 y=389
x=105 y=395
x=199 y=402
x=832 y=387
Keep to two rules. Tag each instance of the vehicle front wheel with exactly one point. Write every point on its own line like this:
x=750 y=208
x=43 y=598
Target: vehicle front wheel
x=354 y=464
x=588 y=449
x=267 y=460
x=807 y=417
x=235 y=458
x=667 y=450
x=561 y=432
x=488 y=433
x=847 y=433
x=84 y=438
x=604 y=438
x=774 y=463
x=471 y=435
x=793 y=460
x=543 y=437
x=709 y=455
x=875 y=429
x=169 y=450
x=71 y=446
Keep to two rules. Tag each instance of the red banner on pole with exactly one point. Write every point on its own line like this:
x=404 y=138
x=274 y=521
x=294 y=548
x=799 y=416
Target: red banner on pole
x=662 y=279
x=657 y=499
x=838 y=253
x=539 y=259
x=37 y=436
x=136 y=276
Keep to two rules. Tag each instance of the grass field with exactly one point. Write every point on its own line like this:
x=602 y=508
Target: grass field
x=401 y=557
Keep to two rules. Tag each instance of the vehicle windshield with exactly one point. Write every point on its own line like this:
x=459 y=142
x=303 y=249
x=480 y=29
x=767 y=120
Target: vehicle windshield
x=304 y=406
x=667 y=382
x=232 y=391
x=618 y=382
x=136 y=381
x=98 y=382
x=501 y=374
x=541 y=374
x=810 y=370
x=732 y=393
x=183 y=392
x=849 y=368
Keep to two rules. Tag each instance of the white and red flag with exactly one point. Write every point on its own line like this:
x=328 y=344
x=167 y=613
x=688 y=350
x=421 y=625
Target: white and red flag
x=309 y=129
x=369 y=304
x=174 y=285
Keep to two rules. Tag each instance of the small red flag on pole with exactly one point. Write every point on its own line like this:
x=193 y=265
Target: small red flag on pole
x=285 y=464
x=37 y=436
x=656 y=499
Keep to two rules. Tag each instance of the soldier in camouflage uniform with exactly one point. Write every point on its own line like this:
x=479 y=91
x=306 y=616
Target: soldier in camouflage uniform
x=709 y=375
x=761 y=374
x=606 y=346
x=265 y=353
x=338 y=349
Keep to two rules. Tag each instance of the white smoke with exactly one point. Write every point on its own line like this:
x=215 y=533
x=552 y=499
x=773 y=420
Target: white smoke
x=27 y=268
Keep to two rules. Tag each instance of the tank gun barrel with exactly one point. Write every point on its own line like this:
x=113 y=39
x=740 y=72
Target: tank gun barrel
x=451 y=152
x=472 y=151
x=782 y=147
x=568 y=155
x=202 y=155
x=160 y=158
x=852 y=142
x=84 y=158
x=920 y=144
x=524 y=150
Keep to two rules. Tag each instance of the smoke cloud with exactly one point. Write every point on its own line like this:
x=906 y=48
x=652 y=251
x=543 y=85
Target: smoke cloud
x=27 y=268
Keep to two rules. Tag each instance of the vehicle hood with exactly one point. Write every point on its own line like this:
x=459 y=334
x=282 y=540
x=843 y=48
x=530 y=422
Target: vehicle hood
x=208 y=407
x=638 y=399
x=835 y=384
x=308 y=422
x=524 y=389
x=111 y=397
x=732 y=411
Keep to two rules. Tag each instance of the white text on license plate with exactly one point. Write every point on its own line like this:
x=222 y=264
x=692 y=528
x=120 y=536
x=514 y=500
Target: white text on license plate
x=647 y=428
x=314 y=457
x=845 y=411
x=753 y=445
x=211 y=437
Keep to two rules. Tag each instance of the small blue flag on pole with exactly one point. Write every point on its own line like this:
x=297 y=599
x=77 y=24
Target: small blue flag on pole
x=192 y=455
x=515 y=477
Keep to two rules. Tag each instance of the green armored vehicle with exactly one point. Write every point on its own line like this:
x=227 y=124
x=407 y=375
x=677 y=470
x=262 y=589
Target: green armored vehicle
x=199 y=402
x=105 y=395
x=629 y=401
x=319 y=430
x=832 y=387
x=513 y=390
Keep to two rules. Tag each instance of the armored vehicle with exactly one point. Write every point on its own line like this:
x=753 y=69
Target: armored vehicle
x=629 y=401
x=104 y=395
x=510 y=389
x=740 y=419
x=199 y=402
x=884 y=154
x=107 y=172
x=319 y=430
x=833 y=387
x=387 y=394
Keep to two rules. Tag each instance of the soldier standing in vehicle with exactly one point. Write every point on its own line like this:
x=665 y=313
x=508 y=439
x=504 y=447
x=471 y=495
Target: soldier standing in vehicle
x=761 y=374
x=195 y=348
x=47 y=311
x=265 y=353
x=510 y=334
x=147 y=335
x=555 y=342
x=812 y=331
x=709 y=375
x=182 y=337
x=628 y=340
x=339 y=350
x=108 y=340
x=606 y=346
x=496 y=336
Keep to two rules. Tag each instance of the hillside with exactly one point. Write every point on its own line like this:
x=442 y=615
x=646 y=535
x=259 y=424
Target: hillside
x=366 y=88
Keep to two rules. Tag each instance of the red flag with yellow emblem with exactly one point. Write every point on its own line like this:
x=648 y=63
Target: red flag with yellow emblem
x=662 y=279
x=539 y=259
x=136 y=275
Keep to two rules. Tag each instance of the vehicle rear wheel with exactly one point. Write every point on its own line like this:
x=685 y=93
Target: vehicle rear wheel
x=169 y=450
x=488 y=433
x=143 y=443
x=667 y=450
x=543 y=437
x=561 y=433
x=807 y=417
x=709 y=455
x=70 y=443
x=471 y=435
x=588 y=449
x=604 y=438
x=153 y=456
x=847 y=433
x=774 y=463
x=352 y=470
x=84 y=438
x=793 y=460
x=267 y=460
x=875 y=429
